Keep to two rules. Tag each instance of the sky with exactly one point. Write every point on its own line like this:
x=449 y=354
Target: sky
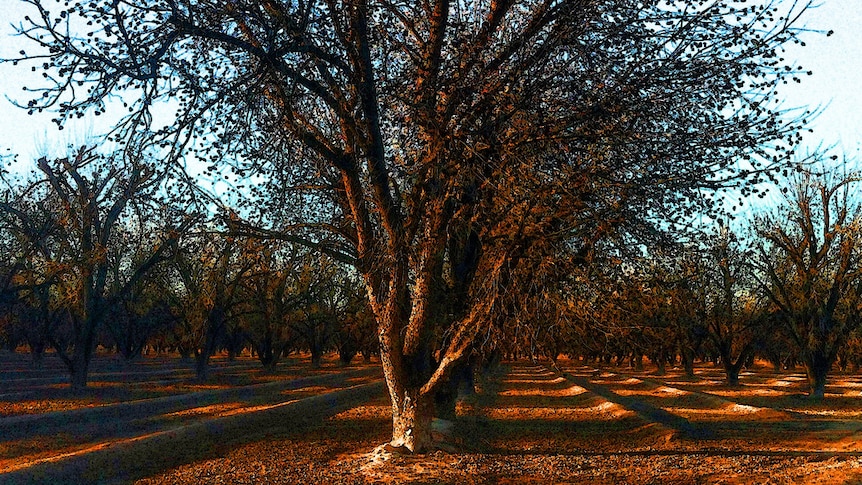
x=836 y=62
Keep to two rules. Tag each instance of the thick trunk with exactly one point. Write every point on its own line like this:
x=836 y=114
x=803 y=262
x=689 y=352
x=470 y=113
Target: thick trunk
x=316 y=357
x=202 y=365
x=345 y=357
x=688 y=363
x=37 y=354
x=79 y=362
x=731 y=368
x=78 y=372
x=211 y=341
x=270 y=364
x=817 y=365
x=411 y=422
x=265 y=355
x=661 y=365
x=817 y=383
x=732 y=375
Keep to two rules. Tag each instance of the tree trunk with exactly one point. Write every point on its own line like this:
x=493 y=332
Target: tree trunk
x=411 y=422
x=316 y=357
x=817 y=366
x=687 y=358
x=732 y=375
x=661 y=365
x=731 y=368
x=78 y=362
x=79 y=370
x=345 y=357
x=637 y=361
x=37 y=354
x=202 y=365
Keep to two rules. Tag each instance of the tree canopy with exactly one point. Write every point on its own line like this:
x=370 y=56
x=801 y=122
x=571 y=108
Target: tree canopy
x=441 y=146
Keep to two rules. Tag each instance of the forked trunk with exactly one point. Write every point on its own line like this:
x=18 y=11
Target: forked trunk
x=732 y=369
x=732 y=375
x=411 y=422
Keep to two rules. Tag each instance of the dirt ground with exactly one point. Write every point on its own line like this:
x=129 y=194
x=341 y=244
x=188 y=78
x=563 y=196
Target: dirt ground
x=531 y=425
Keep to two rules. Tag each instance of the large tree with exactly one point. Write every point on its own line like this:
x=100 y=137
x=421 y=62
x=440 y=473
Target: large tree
x=434 y=143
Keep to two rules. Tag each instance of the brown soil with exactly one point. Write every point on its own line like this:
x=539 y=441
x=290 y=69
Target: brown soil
x=587 y=427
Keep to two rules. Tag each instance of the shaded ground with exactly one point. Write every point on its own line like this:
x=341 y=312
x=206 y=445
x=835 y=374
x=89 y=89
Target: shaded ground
x=92 y=439
x=534 y=426
x=25 y=390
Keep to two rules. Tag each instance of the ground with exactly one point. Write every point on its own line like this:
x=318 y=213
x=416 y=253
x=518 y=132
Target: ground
x=528 y=425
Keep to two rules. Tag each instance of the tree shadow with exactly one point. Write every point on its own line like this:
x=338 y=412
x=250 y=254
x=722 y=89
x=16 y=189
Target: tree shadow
x=142 y=447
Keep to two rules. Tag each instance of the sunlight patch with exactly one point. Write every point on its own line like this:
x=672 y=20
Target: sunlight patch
x=213 y=409
x=671 y=391
x=742 y=409
x=365 y=412
x=605 y=410
x=569 y=391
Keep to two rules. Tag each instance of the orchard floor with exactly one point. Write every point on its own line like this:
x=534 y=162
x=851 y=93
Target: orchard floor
x=531 y=425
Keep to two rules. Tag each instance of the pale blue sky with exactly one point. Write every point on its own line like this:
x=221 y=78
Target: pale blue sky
x=836 y=62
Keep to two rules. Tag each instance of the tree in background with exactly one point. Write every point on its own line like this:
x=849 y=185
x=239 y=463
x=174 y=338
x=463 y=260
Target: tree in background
x=736 y=314
x=211 y=271
x=82 y=266
x=809 y=266
x=275 y=291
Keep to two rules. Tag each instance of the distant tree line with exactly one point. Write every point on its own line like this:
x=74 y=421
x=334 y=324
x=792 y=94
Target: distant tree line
x=95 y=255
x=786 y=288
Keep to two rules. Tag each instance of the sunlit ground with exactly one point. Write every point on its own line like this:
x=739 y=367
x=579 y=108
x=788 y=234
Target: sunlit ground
x=611 y=425
x=45 y=390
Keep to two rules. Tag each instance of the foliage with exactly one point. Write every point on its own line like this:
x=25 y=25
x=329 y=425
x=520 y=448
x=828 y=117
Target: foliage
x=809 y=260
x=441 y=147
x=75 y=261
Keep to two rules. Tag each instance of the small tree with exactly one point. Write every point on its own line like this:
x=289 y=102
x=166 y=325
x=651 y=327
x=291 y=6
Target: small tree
x=735 y=313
